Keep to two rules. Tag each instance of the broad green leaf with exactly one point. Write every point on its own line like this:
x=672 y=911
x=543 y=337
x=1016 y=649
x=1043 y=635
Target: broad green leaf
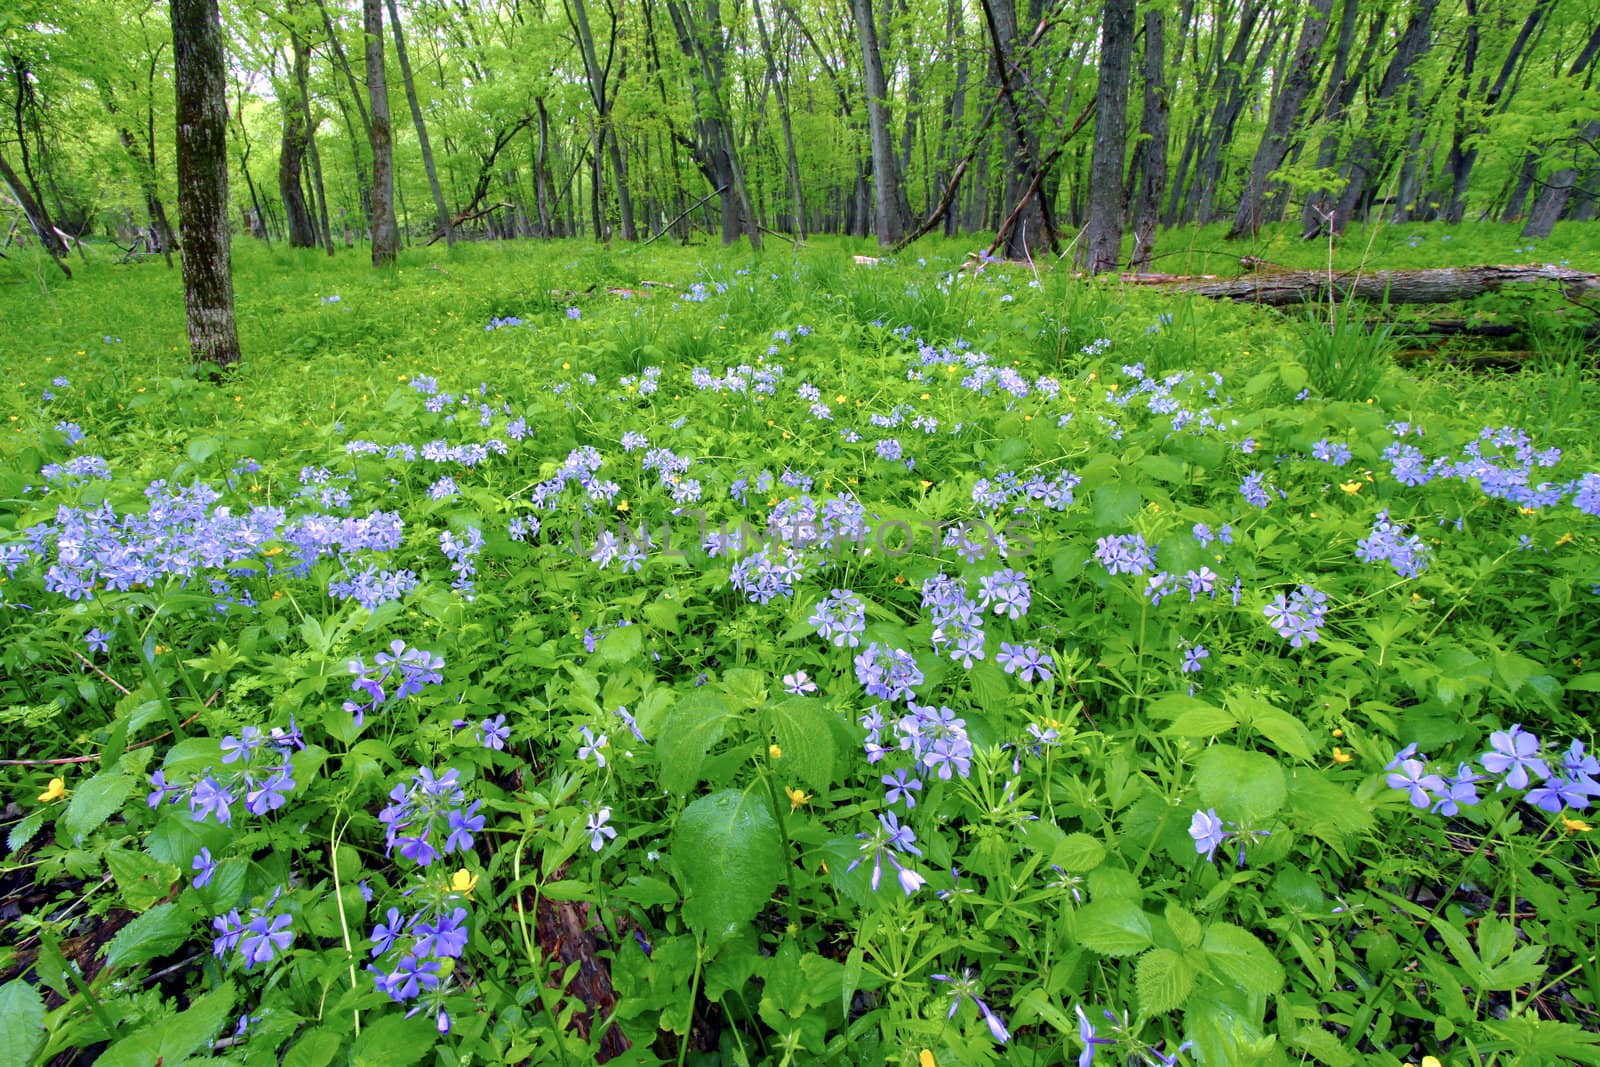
x=1078 y=852
x=802 y=732
x=24 y=830
x=95 y=801
x=162 y=929
x=1205 y=721
x=316 y=1049
x=1113 y=927
x=1185 y=927
x=21 y=1022
x=173 y=1040
x=1242 y=786
x=1241 y=960
x=394 y=1041
x=1585 y=683
x=143 y=879
x=1164 y=981
x=695 y=723
x=729 y=855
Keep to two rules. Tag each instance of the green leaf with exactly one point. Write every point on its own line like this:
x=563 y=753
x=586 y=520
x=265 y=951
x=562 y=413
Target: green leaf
x=1285 y=731
x=21 y=1022
x=162 y=929
x=1164 y=981
x=394 y=1041
x=1113 y=927
x=803 y=734
x=1185 y=927
x=1241 y=960
x=1242 y=786
x=143 y=879
x=1207 y=721
x=316 y=1049
x=729 y=856
x=694 y=724
x=172 y=1040
x=1078 y=852
x=23 y=831
x=96 y=800
x=1585 y=683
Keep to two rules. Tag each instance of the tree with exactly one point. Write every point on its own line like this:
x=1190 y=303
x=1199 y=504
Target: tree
x=1102 y=237
x=385 y=234
x=404 y=59
x=889 y=219
x=202 y=150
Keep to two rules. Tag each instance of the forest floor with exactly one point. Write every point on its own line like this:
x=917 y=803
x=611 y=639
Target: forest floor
x=808 y=661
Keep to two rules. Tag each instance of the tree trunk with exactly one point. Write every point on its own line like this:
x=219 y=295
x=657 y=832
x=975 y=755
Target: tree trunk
x=889 y=220
x=1150 y=157
x=291 y=156
x=791 y=160
x=385 y=235
x=1435 y=286
x=1228 y=90
x=1102 y=237
x=342 y=61
x=1341 y=92
x=200 y=74
x=404 y=60
x=38 y=217
x=1553 y=195
x=1284 y=118
x=1364 y=159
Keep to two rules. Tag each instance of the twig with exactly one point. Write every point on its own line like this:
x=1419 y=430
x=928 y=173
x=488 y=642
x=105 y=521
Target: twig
x=87 y=662
x=692 y=207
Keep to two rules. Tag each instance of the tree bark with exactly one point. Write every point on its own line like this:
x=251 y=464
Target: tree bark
x=889 y=220
x=1557 y=189
x=292 y=152
x=385 y=234
x=1102 y=238
x=1341 y=92
x=202 y=120
x=578 y=15
x=1284 y=117
x=791 y=160
x=1150 y=158
x=38 y=217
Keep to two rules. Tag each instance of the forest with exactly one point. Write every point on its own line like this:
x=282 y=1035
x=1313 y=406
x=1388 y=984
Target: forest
x=1050 y=124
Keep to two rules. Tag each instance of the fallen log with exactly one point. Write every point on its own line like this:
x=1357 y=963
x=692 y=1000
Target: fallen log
x=1440 y=285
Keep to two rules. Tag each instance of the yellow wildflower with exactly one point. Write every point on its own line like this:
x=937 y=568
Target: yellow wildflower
x=463 y=881
x=774 y=751
x=798 y=798
x=1341 y=756
x=1573 y=826
x=54 y=791
x=1350 y=487
x=925 y=1058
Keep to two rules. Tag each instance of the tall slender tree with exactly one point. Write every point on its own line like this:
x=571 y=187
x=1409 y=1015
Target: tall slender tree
x=202 y=113
x=385 y=234
x=1102 y=237
x=404 y=59
x=889 y=217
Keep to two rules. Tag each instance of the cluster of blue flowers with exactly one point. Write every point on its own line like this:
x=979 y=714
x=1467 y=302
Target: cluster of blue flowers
x=429 y=817
x=414 y=668
x=409 y=951
x=257 y=771
x=1298 y=616
x=1515 y=759
x=261 y=938
x=1389 y=543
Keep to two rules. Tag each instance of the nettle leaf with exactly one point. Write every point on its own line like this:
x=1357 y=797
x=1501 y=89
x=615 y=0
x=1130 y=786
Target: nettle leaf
x=1164 y=981
x=142 y=879
x=729 y=856
x=803 y=734
x=1242 y=786
x=24 y=830
x=21 y=1022
x=1078 y=852
x=171 y=1040
x=695 y=723
x=96 y=800
x=394 y=1041
x=162 y=929
x=1241 y=960
x=1113 y=927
